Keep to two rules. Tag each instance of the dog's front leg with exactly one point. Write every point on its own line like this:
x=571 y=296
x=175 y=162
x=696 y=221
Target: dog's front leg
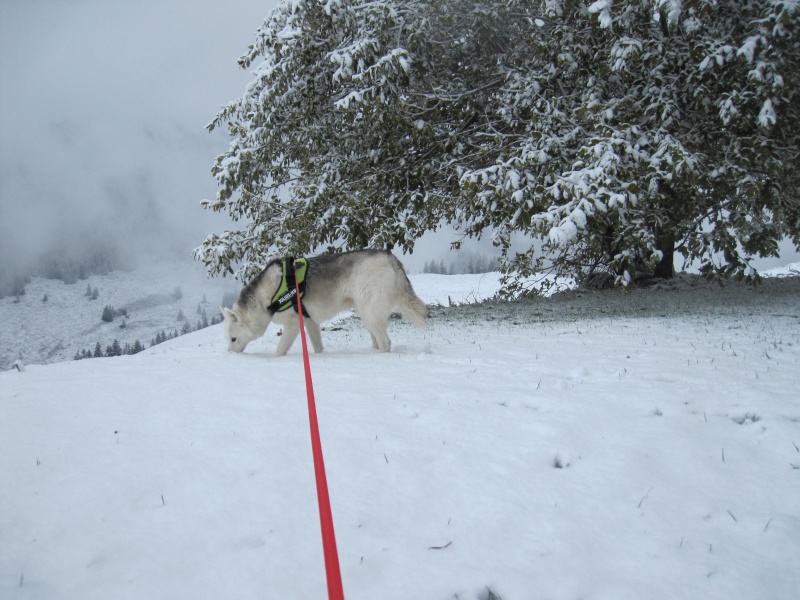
x=289 y=335
x=314 y=333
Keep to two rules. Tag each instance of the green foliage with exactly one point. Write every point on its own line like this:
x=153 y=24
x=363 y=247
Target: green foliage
x=612 y=133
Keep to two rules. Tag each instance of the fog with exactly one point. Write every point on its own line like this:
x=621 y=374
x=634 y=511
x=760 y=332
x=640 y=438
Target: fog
x=103 y=107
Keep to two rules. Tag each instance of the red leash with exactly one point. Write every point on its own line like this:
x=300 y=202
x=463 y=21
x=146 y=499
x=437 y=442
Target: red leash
x=334 y=575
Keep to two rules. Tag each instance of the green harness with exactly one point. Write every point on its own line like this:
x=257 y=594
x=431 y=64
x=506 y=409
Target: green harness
x=294 y=276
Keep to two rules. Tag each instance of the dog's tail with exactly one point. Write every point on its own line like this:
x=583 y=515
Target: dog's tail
x=410 y=305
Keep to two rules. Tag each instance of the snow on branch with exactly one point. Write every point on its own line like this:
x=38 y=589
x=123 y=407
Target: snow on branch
x=673 y=10
x=603 y=10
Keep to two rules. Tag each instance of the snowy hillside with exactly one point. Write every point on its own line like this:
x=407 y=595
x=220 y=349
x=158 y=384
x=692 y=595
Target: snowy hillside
x=593 y=445
x=53 y=320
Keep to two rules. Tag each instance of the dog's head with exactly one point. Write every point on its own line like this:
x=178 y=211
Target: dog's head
x=237 y=333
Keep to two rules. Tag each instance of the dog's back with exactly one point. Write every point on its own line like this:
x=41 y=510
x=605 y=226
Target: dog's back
x=373 y=282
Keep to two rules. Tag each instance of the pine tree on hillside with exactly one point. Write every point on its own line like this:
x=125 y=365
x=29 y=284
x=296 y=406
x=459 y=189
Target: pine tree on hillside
x=108 y=313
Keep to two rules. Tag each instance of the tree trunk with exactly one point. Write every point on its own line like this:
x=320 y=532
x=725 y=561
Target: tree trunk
x=665 y=269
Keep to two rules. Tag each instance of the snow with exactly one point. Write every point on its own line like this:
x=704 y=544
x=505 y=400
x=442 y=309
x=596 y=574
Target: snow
x=766 y=117
x=789 y=270
x=36 y=331
x=603 y=8
x=674 y=9
x=619 y=444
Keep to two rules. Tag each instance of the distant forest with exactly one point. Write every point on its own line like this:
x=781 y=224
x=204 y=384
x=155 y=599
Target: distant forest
x=464 y=263
x=118 y=349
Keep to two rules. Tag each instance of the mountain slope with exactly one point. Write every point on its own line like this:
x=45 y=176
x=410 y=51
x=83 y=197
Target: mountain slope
x=593 y=457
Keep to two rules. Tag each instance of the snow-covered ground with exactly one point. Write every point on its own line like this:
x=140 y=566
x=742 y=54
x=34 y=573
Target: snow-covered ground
x=598 y=445
x=36 y=330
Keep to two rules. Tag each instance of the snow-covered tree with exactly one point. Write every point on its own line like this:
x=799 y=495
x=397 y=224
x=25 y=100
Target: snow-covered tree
x=616 y=132
x=666 y=136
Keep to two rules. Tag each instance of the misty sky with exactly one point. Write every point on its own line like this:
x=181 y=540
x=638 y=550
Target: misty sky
x=103 y=105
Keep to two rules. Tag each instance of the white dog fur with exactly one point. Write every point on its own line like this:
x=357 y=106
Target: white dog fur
x=372 y=282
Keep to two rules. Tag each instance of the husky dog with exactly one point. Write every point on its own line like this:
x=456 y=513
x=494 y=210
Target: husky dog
x=372 y=282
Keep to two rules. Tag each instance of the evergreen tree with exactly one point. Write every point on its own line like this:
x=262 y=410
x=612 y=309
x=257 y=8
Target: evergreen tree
x=617 y=133
x=98 y=351
x=108 y=313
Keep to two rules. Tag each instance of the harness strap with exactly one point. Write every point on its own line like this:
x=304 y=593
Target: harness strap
x=286 y=295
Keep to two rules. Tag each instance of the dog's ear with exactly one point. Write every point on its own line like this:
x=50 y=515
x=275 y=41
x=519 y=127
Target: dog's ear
x=229 y=314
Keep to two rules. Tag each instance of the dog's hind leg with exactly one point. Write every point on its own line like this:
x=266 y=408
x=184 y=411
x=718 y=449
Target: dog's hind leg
x=377 y=330
x=289 y=335
x=314 y=333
